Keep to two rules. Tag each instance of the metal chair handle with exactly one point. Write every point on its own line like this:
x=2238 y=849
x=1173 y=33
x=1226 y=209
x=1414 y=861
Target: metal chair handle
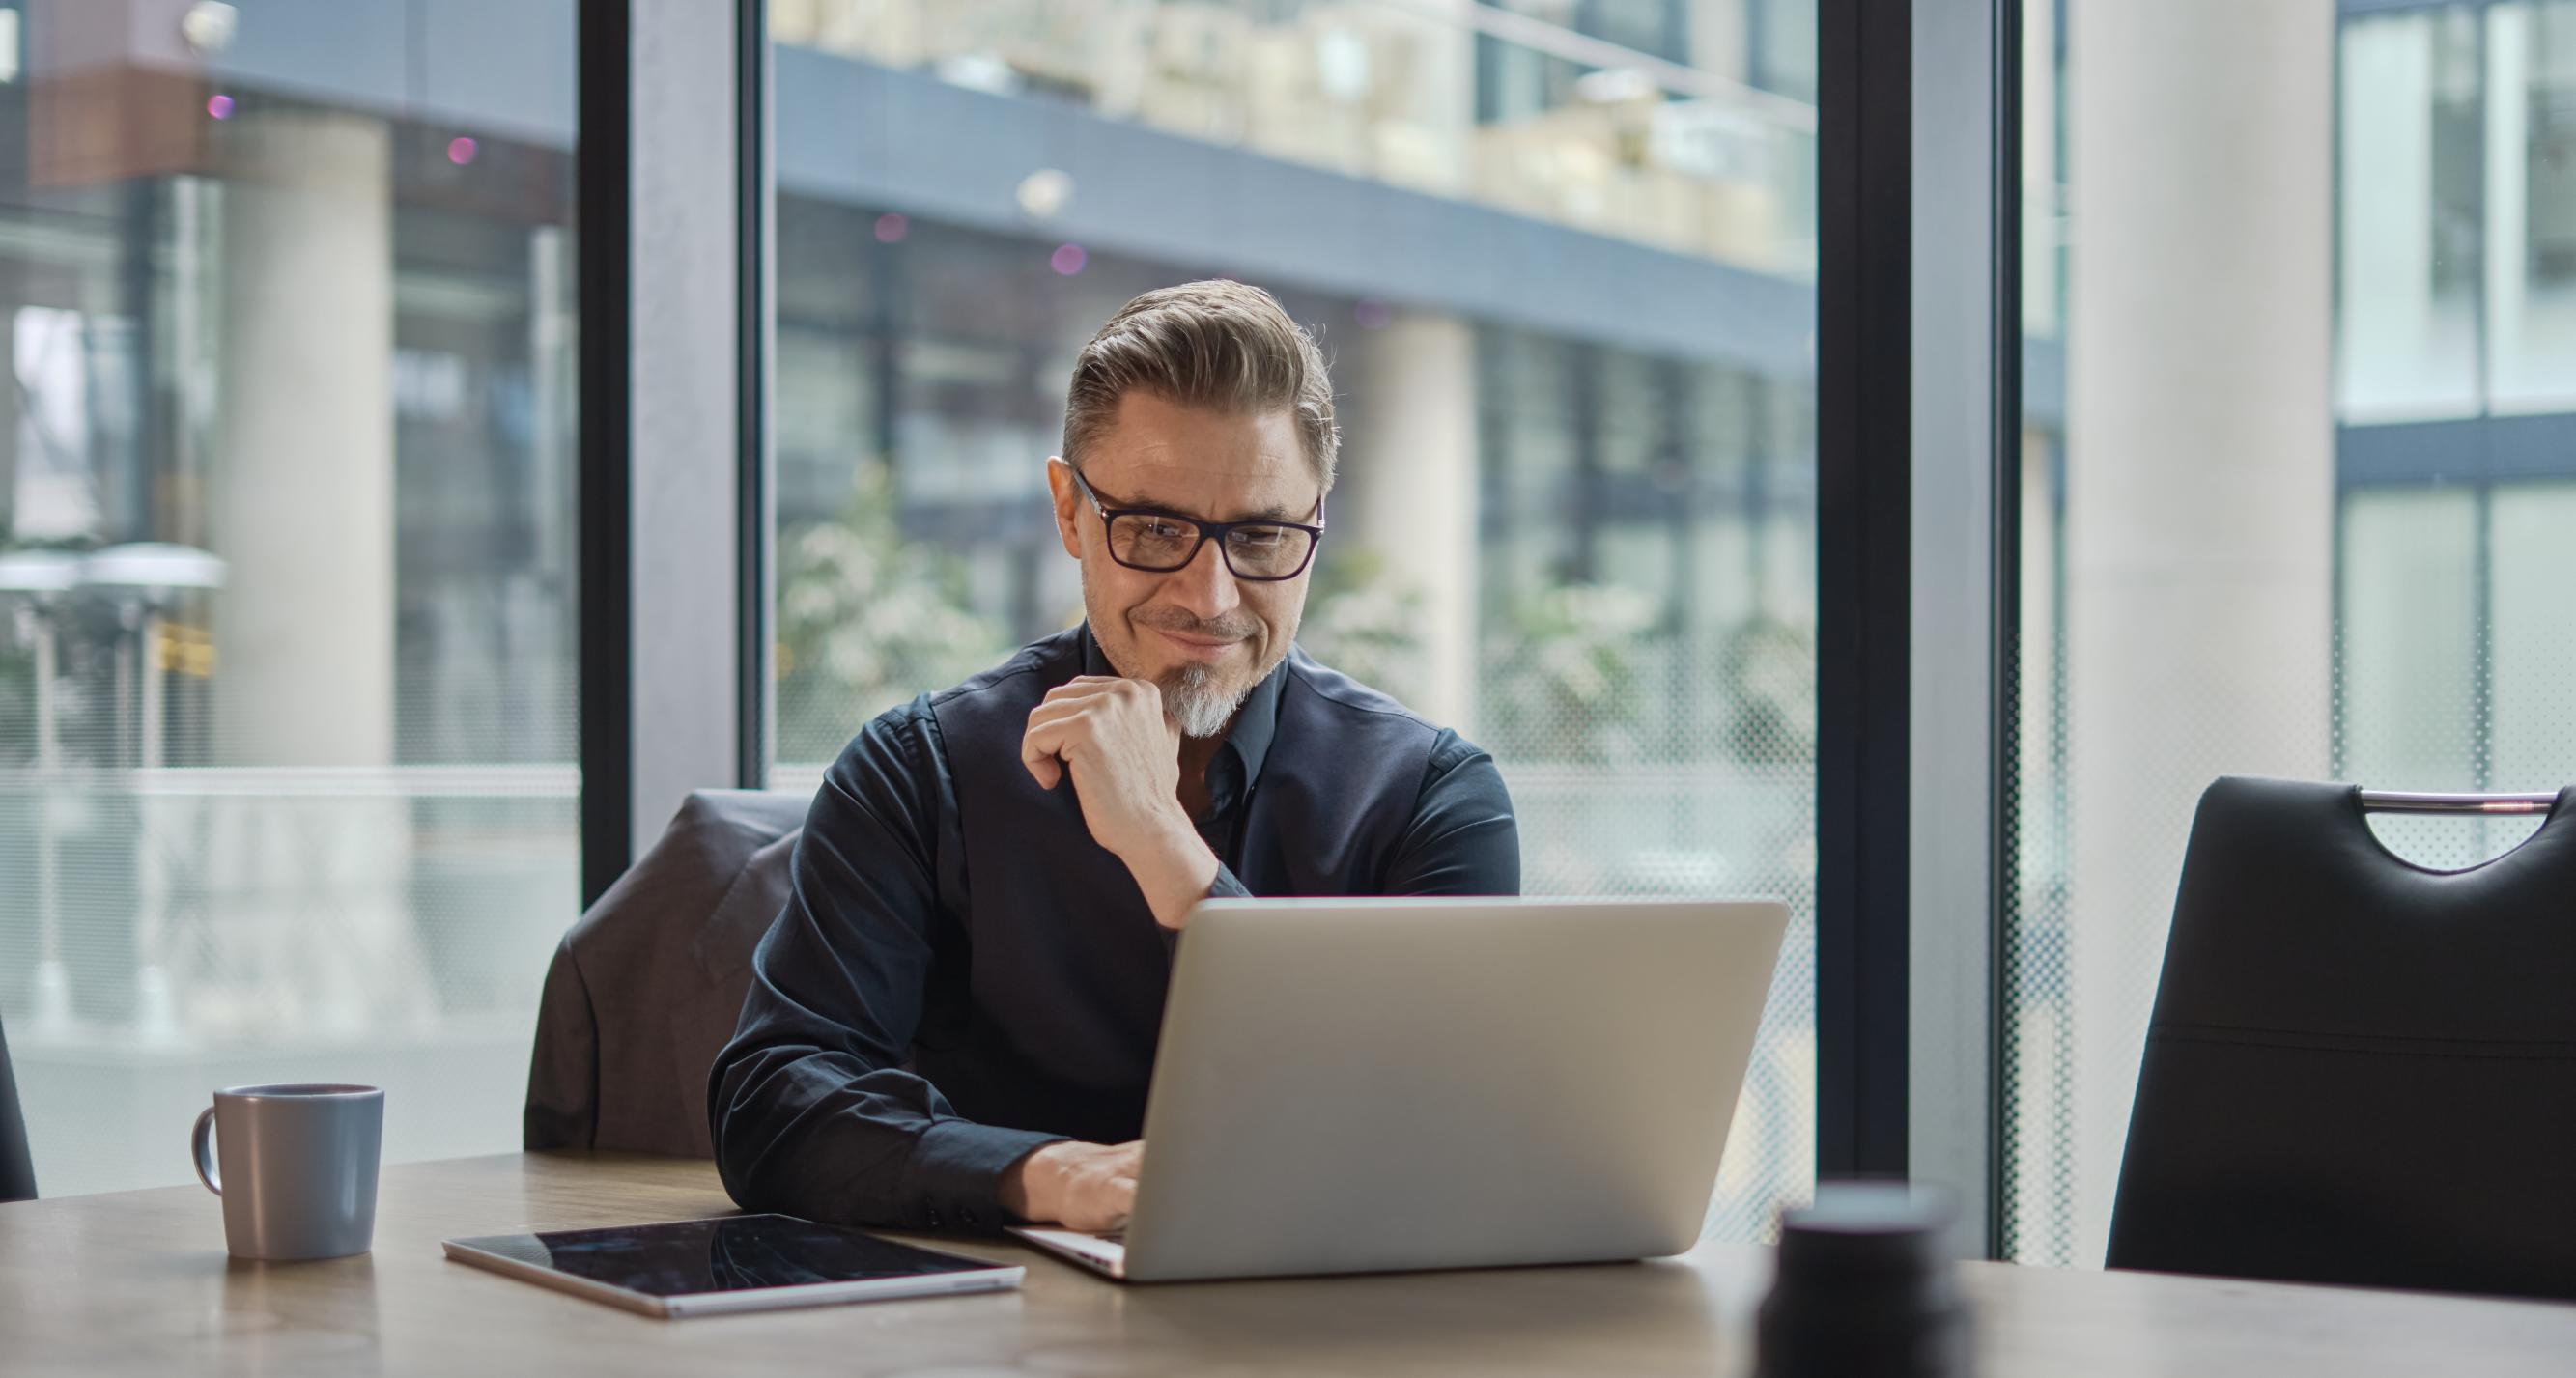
x=2404 y=801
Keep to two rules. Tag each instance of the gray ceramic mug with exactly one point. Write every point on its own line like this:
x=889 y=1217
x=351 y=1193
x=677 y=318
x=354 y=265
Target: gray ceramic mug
x=298 y=1167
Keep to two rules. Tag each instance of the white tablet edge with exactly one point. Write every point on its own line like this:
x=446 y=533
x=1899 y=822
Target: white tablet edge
x=999 y=1277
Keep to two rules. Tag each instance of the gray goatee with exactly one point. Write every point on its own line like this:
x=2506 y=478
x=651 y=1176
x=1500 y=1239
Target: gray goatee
x=1194 y=699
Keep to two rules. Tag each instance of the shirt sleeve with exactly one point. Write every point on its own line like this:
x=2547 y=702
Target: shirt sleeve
x=810 y=1105
x=1463 y=839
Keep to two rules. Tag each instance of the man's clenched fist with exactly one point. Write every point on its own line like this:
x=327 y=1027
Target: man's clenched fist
x=1123 y=755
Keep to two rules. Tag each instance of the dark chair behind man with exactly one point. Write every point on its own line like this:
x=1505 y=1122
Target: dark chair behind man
x=646 y=987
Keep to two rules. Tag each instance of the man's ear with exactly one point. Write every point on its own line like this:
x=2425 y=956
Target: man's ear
x=1068 y=503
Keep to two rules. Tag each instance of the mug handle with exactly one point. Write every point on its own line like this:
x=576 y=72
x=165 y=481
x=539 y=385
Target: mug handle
x=204 y=1153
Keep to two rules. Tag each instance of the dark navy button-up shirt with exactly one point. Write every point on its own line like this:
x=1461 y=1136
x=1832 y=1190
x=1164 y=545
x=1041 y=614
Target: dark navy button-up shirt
x=961 y=974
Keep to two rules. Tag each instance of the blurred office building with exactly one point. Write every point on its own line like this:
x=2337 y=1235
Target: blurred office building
x=289 y=288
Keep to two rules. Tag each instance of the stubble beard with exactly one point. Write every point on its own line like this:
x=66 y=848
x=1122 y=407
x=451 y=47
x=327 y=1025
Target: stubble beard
x=1194 y=696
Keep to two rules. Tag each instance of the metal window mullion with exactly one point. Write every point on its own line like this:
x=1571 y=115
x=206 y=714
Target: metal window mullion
x=1966 y=333
x=1863 y=570
x=601 y=175
x=686 y=429
x=661 y=502
x=756 y=388
x=1918 y=323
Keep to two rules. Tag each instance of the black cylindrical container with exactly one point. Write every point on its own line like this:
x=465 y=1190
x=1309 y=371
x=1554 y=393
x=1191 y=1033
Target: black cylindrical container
x=1865 y=1288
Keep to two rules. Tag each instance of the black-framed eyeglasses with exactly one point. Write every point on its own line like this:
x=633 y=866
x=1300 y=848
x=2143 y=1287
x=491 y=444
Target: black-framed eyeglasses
x=1159 y=542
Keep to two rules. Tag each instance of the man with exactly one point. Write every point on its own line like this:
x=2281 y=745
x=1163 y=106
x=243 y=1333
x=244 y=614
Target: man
x=952 y=1023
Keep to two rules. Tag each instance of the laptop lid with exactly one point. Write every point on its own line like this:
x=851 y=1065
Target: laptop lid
x=1368 y=1085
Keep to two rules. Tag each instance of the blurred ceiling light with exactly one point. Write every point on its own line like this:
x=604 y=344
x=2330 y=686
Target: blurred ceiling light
x=208 y=27
x=1044 y=193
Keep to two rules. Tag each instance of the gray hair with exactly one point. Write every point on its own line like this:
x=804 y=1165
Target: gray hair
x=1216 y=344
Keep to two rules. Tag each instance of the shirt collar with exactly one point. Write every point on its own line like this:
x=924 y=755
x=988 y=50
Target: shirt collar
x=1256 y=723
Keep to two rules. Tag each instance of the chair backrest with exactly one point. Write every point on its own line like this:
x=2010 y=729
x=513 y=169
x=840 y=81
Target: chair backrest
x=648 y=985
x=17 y=1171
x=2358 y=1071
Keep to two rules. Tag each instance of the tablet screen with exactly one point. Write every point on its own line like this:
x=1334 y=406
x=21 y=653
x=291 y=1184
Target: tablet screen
x=730 y=1254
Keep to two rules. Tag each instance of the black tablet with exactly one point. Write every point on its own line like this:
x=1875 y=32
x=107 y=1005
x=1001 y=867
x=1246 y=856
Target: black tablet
x=729 y=1263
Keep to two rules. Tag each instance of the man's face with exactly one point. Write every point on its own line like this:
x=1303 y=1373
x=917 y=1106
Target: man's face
x=1203 y=635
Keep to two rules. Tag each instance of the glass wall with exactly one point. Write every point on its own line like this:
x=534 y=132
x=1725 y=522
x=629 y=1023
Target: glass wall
x=2297 y=450
x=1560 y=258
x=287 y=770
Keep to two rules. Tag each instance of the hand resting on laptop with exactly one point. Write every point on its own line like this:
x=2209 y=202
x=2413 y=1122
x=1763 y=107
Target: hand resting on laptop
x=1087 y=1187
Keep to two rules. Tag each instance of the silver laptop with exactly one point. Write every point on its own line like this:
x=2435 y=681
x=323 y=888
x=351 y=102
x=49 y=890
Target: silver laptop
x=1349 y=1086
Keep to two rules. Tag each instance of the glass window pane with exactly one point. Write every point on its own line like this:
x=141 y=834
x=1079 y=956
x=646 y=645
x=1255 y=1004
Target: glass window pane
x=2531 y=199
x=287 y=772
x=2534 y=637
x=2275 y=527
x=1617 y=597
x=2409 y=140
x=2409 y=656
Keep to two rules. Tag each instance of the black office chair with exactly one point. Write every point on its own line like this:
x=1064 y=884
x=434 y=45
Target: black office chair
x=2359 y=1071
x=17 y=1173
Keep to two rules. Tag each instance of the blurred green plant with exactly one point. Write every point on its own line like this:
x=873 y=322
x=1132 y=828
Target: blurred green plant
x=866 y=620
x=1366 y=625
x=1561 y=681
x=1767 y=674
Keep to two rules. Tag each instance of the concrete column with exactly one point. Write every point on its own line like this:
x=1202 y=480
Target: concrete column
x=2200 y=475
x=307 y=892
x=1719 y=34
x=301 y=492
x=1407 y=495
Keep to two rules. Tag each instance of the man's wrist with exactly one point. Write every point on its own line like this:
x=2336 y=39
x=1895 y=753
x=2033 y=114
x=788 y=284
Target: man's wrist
x=1028 y=1189
x=1174 y=871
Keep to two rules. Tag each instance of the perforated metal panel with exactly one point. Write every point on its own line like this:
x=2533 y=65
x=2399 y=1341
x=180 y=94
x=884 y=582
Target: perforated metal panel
x=1728 y=811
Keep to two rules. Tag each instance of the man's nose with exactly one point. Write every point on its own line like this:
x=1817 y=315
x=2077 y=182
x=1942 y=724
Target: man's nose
x=1205 y=586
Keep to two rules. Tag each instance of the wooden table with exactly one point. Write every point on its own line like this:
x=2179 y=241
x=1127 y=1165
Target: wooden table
x=138 y=1282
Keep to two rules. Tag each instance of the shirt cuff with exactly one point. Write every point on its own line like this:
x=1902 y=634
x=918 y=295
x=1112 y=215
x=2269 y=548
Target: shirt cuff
x=1226 y=887
x=955 y=1177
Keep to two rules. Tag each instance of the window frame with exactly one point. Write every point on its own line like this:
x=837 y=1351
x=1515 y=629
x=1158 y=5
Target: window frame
x=1918 y=399
x=1918 y=394
x=673 y=142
